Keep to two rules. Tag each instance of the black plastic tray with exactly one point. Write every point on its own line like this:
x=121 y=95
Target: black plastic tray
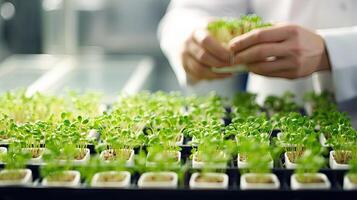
x=183 y=191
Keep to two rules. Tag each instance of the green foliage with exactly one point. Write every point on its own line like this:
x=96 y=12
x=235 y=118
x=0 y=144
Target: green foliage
x=281 y=104
x=353 y=162
x=258 y=126
x=341 y=137
x=297 y=130
x=212 y=150
x=24 y=108
x=322 y=102
x=226 y=29
x=244 y=104
x=258 y=154
x=311 y=161
x=15 y=158
x=154 y=123
x=164 y=155
x=7 y=127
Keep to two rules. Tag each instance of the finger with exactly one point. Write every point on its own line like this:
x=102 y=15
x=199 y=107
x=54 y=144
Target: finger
x=264 y=35
x=260 y=53
x=269 y=68
x=204 y=39
x=203 y=56
x=199 y=71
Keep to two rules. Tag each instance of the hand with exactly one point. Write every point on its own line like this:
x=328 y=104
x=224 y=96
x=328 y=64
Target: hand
x=285 y=50
x=201 y=53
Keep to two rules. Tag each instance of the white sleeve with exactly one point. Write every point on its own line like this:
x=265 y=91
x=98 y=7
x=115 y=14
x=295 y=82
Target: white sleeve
x=341 y=45
x=183 y=16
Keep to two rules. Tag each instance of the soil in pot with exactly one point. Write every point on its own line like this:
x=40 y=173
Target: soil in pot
x=12 y=175
x=242 y=157
x=294 y=155
x=200 y=158
x=209 y=179
x=61 y=177
x=308 y=179
x=172 y=156
x=158 y=178
x=35 y=152
x=114 y=154
x=259 y=179
x=353 y=178
x=342 y=157
x=80 y=154
x=4 y=137
x=110 y=177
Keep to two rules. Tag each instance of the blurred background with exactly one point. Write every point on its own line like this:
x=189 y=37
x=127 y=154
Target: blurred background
x=97 y=44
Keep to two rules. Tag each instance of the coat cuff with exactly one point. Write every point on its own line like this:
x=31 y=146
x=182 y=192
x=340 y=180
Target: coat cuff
x=342 y=50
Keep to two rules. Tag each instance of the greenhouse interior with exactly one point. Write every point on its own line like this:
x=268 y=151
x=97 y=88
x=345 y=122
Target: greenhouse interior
x=178 y=99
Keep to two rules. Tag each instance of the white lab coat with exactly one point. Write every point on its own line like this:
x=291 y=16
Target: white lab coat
x=335 y=20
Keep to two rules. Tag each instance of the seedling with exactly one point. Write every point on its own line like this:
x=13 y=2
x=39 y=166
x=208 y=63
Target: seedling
x=324 y=101
x=309 y=164
x=297 y=135
x=213 y=152
x=352 y=174
x=226 y=29
x=245 y=105
x=283 y=104
x=342 y=139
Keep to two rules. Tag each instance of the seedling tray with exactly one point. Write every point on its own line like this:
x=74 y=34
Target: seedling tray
x=36 y=191
x=183 y=191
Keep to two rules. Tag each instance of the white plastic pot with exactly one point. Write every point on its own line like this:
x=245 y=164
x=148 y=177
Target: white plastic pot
x=102 y=108
x=323 y=140
x=125 y=183
x=279 y=137
x=144 y=183
x=180 y=141
x=83 y=161
x=3 y=150
x=76 y=182
x=93 y=134
x=241 y=164
x=200 y=164
x=308 y=108
x=244 y=185
x=153 y=164
x=347 y=183
x=193 y=141
x=208 y=185
x=128 y=163
x=333 y=163
x=244 y=164
x=4 y=141
x=288 y=163
x=296 y=185
x=25 y=181
x=38 y=160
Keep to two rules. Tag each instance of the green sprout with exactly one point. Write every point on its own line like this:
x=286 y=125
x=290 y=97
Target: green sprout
x=225 y=30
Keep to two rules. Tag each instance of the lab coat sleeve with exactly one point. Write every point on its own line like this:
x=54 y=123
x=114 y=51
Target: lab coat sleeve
x=184 y=16
x=341 y=45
